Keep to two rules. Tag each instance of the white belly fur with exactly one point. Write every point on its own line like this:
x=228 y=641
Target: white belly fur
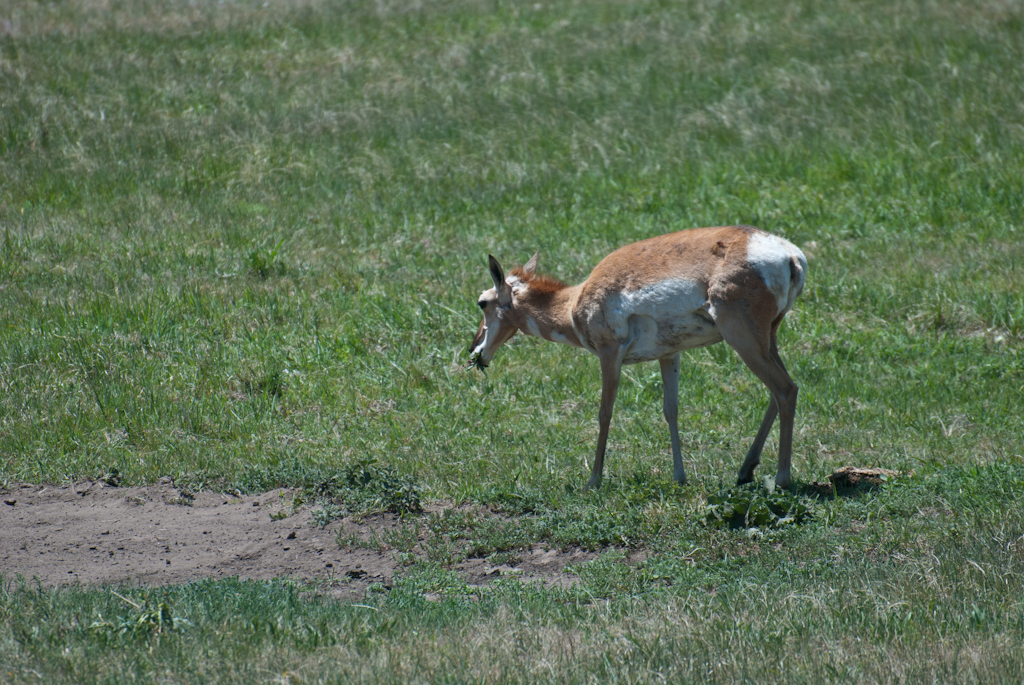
x=661 y=319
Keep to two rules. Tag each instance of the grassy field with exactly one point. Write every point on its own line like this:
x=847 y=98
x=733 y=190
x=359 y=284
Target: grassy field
x=241 y=244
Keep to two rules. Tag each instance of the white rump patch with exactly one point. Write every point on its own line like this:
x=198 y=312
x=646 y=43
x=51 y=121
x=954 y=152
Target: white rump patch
x=770 y=256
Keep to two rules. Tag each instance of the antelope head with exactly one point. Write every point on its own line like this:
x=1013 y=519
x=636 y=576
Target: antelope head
x=498 y=305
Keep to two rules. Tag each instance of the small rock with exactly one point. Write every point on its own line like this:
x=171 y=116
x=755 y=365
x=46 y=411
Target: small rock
x=852 y=476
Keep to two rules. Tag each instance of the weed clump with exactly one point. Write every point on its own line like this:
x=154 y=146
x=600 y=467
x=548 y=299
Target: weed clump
x=571 y=521
x=757 y=507
x=359 y=487
x=366 y=485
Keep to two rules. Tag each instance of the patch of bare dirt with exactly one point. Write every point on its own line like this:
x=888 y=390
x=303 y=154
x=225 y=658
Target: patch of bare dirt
x=92 y=533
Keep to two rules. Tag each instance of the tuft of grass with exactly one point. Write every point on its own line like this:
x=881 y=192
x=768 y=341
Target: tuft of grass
x=365 y=485
x=263 y=262
x=141 y=625
x=361 y=486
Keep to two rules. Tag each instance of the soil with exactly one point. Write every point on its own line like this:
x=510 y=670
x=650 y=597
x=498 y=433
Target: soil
x=92 y=533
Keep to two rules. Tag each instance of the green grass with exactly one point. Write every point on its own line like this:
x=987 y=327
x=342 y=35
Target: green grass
x=882 y=592
x=241 y=245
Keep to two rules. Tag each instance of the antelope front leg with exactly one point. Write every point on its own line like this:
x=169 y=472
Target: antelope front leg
x=670 y=381
x=611 y=367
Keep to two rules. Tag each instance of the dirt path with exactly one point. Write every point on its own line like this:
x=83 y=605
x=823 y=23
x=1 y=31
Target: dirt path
x=92 y=533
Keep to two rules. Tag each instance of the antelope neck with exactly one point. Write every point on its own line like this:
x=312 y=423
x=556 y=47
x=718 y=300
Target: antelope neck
x=546 y=312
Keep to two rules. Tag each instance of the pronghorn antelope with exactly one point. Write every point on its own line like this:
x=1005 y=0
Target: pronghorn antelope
x=651 y=299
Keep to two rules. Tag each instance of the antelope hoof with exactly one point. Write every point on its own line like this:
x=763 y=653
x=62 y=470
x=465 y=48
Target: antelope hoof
x=782 y=481
x=594 y=483
x=679 y=478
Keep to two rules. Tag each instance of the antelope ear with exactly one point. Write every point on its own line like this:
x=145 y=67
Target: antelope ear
x=530 y=268
x=497 y=275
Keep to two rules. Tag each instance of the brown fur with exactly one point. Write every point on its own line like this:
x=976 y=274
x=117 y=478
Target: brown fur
x=538 y=283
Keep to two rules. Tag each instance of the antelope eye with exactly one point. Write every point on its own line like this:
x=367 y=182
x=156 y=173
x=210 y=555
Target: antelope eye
x=482 y=304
